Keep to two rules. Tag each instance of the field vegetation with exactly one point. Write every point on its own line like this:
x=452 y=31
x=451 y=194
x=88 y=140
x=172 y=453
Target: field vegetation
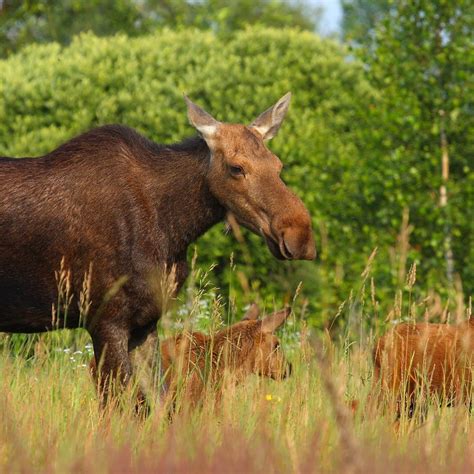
x=52 y=421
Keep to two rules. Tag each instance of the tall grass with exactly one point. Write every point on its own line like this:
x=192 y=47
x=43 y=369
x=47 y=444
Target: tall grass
x=50 y=420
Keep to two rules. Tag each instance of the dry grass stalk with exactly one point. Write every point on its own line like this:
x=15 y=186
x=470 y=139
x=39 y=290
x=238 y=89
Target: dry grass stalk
x=351 y=461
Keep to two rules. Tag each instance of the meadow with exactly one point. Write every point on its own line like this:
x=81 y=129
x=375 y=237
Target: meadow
x=52 y=421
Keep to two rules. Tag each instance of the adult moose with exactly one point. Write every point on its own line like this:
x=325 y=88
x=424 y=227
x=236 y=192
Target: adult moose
x=112 y=199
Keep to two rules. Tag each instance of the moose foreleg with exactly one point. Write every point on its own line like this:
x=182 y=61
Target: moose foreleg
x=112 y=369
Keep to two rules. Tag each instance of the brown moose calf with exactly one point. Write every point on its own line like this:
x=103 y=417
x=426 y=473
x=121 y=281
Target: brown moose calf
x=192 y=361
x=414 y=360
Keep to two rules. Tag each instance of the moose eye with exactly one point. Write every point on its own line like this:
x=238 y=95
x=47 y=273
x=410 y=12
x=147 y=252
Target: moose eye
x=236 y=170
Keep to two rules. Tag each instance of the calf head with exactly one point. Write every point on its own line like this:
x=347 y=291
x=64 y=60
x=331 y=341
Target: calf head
x=265 y=357
x=244 y=176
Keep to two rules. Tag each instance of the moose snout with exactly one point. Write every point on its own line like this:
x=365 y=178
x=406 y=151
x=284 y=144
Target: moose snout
x=297 y=243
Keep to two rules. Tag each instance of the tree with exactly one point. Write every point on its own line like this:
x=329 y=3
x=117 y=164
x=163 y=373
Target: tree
x=24 y=22
x=223 y=16
x=421 y=61
x=361 y=17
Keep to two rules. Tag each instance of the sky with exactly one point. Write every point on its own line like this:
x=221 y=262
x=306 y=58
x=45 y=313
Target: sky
x=332 y=15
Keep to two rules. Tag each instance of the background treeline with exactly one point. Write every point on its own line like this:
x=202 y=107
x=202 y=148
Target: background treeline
x=41 y=21
x=371 y=123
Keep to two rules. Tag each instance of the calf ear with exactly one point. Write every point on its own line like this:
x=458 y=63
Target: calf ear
x=268 y=123
x=204 y=123
x=273 y=321
x=252 y=313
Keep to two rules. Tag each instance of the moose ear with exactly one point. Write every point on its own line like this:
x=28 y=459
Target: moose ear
x=252 y=313
x=269 y=122
x=273 y=321
x=204 y=123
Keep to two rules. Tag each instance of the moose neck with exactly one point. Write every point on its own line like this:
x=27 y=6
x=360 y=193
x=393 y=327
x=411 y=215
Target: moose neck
x=186 y=207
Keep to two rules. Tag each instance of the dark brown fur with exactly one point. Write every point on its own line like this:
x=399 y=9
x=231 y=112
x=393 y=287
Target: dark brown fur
x=112 y=199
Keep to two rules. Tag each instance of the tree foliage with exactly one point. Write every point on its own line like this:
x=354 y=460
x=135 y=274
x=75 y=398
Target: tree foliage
x=361 y=18
x=41 y=21
x=421 y=64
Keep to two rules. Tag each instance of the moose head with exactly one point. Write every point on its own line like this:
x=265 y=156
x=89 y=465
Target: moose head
x=264 y=354
x=244 y=176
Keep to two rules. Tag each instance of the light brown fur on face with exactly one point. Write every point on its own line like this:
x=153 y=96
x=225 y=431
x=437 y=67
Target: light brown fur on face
x=436 y=357
x=244 y=176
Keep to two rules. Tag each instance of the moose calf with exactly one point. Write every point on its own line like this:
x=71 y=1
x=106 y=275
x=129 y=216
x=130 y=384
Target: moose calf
x=192 y=361
x=413 y=360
